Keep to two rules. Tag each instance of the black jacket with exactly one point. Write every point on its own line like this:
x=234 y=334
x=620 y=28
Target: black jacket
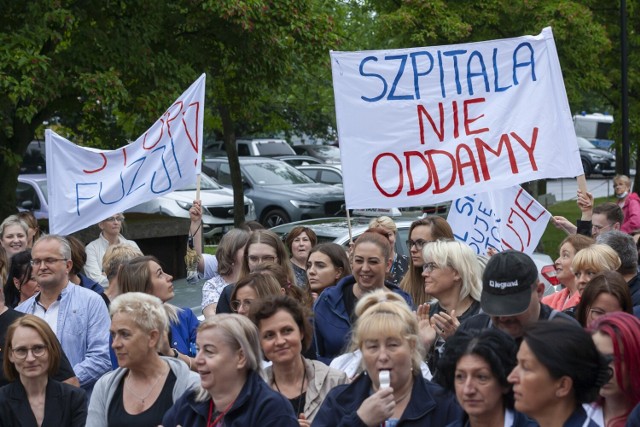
x=65 y=406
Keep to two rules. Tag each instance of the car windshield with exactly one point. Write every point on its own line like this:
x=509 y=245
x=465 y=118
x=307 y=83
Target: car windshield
x=206 y=183
x=273 y=148
x=275 y=173
x=584 y=143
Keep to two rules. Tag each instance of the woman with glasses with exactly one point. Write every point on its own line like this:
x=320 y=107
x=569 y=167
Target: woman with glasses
x=263 y=247
x=400 y=262
x=617 y=336
x=299 y=241
x=144 y=274
x=452 y=276
x=231 y=391
x=266 y=246
x=334 y=309
x=607 y=292
x=21 y=283
x=110 y=235
x=140 y=391
x=31 y=355
x=421 y=232
x=253 y=288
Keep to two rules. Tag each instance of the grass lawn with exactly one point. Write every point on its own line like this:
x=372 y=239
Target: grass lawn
x=210 y=249
x=552 y=236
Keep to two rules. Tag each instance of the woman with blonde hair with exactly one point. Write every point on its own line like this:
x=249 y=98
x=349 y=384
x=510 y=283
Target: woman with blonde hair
x=591 y=261
x=387 y=334
x=146 y=384
x=421 y=232
x=400 y=263
x=114 y=258
x=451 y=275
x=231 y=391
x=13 y=235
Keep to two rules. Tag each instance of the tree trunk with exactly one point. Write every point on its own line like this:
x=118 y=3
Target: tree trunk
x=11 y=152
x=229 y=137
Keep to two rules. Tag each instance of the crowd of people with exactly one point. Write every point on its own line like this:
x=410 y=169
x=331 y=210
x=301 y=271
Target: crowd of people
x=302 y=333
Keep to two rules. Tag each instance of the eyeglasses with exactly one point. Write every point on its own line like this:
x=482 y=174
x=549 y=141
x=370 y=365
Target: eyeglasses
x=256 y=259
x=419 y=244
x=430 y=266
x=236 y=304
x=36 y=263
x=36 y=350
x=119 y=218
x=600 y=227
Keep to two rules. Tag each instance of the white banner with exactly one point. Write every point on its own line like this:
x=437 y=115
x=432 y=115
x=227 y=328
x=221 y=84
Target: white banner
x=87 y=185
x=505 y=219
x=425 y=125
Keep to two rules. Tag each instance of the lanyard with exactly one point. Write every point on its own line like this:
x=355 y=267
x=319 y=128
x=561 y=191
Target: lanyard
x=219 y=417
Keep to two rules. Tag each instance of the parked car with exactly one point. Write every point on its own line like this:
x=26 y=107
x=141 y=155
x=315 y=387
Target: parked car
x=336 y=230
x=217 y=206
x=298 y=160
x=280 y=192
x=326 y=174
x=326 y=153
x=596 y=160
x=31 y=194
x=266 y=147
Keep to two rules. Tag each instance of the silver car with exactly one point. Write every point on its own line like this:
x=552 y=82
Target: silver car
x=281 y=193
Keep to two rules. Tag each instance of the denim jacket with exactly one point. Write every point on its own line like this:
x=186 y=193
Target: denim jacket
x=83 y=331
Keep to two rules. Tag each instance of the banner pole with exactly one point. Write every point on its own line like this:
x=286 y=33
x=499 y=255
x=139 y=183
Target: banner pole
x=349 y=226
x=582 y=183
x=198 y=187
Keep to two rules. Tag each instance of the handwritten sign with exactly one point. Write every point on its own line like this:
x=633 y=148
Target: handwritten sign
x=505 y=219
x=432 y=124
x=87 y=185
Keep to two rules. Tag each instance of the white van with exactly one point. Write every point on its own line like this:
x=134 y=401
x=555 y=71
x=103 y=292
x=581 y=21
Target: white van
x=252 y=147
x=594 y=127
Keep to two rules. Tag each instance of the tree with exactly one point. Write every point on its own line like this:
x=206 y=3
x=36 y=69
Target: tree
x=87 y=63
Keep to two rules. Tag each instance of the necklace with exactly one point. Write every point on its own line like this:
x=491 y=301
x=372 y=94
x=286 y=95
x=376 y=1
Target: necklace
x=142 y=398
x=304 y=378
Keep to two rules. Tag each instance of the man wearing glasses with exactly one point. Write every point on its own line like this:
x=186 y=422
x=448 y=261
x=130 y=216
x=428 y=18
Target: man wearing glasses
x=606 y=216
x=77 y=315
x=110 y=235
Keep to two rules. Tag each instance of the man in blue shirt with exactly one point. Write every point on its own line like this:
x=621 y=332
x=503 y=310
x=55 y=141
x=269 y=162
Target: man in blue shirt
x=77 y=315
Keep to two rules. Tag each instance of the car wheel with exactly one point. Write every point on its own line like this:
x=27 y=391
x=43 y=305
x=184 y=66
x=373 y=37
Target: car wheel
x=586 y=167
x=275 y=217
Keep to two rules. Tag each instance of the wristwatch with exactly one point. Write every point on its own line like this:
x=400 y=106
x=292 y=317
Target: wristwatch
x=175 y=353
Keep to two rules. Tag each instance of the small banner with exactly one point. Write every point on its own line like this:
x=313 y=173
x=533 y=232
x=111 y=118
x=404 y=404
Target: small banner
x=505 y=219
